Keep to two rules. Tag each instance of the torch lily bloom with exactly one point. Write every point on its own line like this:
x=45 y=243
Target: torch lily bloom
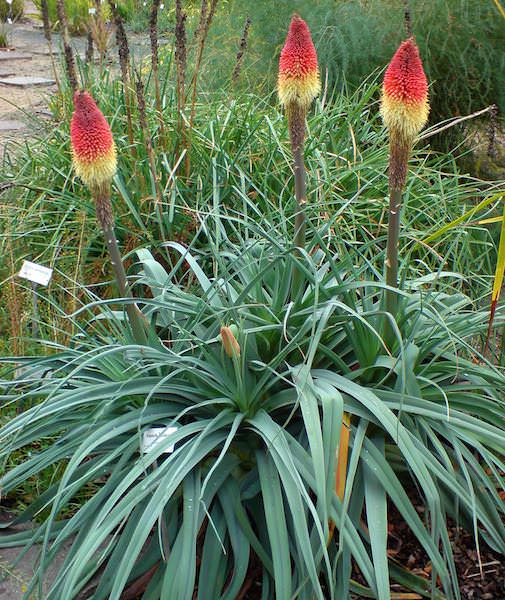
x=298 y=82
x=404 y=106
x=404 y=110
x=94 y=160
x=93 y=148
x=298 y=85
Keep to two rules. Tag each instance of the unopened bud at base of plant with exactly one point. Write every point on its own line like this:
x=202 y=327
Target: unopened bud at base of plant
x=230 y=344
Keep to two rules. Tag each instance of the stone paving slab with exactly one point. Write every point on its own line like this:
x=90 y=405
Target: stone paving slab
x=15 y=579
x=46 y=51
x=11 y=125
x=26 y=81
x=44 y=113
x=7 y=73
x=14 y=55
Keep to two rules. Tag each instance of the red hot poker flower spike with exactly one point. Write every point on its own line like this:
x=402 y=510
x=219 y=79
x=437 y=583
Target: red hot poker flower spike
x=93 y=148
x=404 y=106
x=298 y=82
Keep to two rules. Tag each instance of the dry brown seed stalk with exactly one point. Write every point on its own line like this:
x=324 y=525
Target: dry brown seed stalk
x=99 y=32
x=198 y=63
x=203 y=32
x=153 y=33
x=241 y=49
x=141 y=102
x=45 y=21
x=407 y=15
x=180 y=50
x=69 y=55
x=180 y=66
x=202 y=21
x=47 y=34
x=124 y=62
x=89 y=48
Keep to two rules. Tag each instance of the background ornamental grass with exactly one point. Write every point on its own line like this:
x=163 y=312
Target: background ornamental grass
x=240 y=154
x=459 y=41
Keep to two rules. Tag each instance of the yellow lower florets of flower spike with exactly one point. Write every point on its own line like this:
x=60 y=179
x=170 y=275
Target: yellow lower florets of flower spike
x=299 y=90
x=94 y=173
x=405 y=119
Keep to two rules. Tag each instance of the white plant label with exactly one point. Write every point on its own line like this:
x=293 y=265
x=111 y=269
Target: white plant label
x=91 y=11
x=35 y=273
x=156 y=435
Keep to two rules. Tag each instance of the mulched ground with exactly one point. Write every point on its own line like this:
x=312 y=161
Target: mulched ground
x=484 y=581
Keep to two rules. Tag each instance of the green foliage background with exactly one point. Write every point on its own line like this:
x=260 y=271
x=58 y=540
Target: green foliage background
x=461 y=43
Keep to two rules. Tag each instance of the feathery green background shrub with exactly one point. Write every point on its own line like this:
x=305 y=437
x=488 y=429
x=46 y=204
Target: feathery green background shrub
x=77 y=14
x=460 y=42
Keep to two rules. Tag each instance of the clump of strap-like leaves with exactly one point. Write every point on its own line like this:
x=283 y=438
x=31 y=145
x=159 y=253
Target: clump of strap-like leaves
x=249 y=490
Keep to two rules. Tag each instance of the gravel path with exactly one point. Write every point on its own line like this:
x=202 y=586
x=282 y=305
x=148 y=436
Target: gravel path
x=26 y=78
x=29 y=58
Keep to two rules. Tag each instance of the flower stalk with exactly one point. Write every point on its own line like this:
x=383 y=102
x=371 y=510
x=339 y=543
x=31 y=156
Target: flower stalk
x=180 y=68
x=67 y=47
x=298 y=85
x=153 y=34
x=124 y=63
x=44 y=9
x=207 y=12
x=141 y=103
x=241 y=50
x=95 y=162
x=88 y=57
x=404 y=110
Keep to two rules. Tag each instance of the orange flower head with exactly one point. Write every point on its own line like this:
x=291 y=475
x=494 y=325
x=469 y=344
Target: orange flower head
x=298 y=82
x=404 y=106
x=93 y=148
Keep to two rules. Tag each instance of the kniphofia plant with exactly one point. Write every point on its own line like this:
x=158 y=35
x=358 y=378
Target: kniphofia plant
x=404 y=110
x=95 y=162
x=298 y=85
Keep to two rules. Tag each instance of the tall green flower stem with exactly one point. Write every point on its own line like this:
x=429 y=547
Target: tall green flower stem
x=95 y=162
x=404 y=110
x=298 y=84
x=103 y=205
x=395 y=200
x=296 y=124
x=398 y=162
